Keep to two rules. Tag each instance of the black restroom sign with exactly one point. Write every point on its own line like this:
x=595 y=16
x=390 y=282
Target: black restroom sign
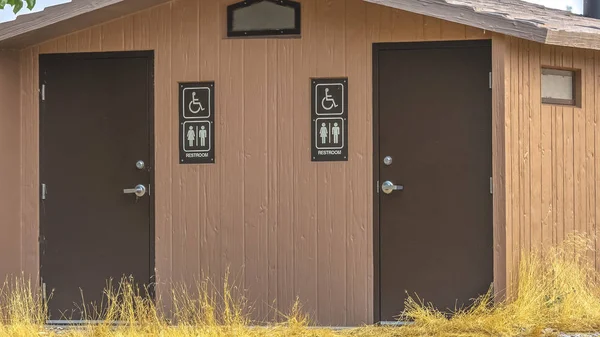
x=329 y=119
x=197 y=122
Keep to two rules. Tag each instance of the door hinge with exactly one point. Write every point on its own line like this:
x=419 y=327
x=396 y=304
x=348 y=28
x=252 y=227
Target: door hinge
x=491 y=185
x=44 y=191
x=44 y=294
x=43 y=92
x=377 y=186
x=490 y=80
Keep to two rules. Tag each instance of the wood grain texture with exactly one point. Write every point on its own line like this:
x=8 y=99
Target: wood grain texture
x=500 y=176
x=305 y=173
x=30 y=163
x=186 y=189
x=10 y=165
x=281 y=226
x=285 y=227
x=331 y=182
x=209 y=175
x=509 y=17
x=165 y=142
x=357 y=238
x=551 y=152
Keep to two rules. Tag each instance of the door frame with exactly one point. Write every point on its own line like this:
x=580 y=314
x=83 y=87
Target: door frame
x=377 y=48
x=149 y=56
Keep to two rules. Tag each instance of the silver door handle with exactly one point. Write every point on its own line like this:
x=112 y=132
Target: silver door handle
x=388 y=187
x=139 y=190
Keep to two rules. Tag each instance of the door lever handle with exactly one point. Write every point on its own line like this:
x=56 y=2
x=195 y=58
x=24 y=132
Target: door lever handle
x=388 y=187
x=139 y=190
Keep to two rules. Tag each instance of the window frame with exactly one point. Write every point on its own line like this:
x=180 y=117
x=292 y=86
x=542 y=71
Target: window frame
x=296 y=31
x=577 y=81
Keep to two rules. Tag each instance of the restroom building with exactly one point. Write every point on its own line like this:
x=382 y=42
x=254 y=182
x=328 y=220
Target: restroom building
x=337 y=151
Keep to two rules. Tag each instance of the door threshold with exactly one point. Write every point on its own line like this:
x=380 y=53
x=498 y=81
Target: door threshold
x=394 y=323
x=65 y=322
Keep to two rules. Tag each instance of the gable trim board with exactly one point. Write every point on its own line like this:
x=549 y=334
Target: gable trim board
x=510 y=17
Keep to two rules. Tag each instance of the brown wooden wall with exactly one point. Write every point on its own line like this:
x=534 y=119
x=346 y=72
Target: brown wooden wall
x=10 y=163
x=284 y=226
x=552 y=159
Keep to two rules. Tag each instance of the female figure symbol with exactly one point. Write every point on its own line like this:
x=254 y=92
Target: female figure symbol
x=324 y=133
x=191 y=136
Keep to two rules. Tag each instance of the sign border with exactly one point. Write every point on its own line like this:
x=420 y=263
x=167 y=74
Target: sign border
x=209 y=136
x=314 y=83
x=343 y=100
x=317 y=136
x=182 y=106
x=183 y=159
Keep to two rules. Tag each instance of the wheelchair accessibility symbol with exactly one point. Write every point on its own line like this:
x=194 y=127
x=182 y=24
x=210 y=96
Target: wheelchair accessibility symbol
x=196 y=102
x=195 y=105
x=330 y=99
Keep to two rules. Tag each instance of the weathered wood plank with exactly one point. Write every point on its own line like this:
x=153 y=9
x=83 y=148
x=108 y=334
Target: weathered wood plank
x=255 y=184
x=596 y=177
x=286 y=135
x=432 y=28
x=305 y=172
x=499 y=70
x=589 y=93
x=524 y=146
x=568 y=160
x=112 y=36
x=72 y=43
x=232 y=154
x=579 y=140
x=535 y=125
x=372 y=35
x=357 y=201
x=332 y=181
x=209 y=203
x=273 y=120
x=515 y=158
x=166 y=143
x=185 y=189
x=547 y=169
x=12 y=65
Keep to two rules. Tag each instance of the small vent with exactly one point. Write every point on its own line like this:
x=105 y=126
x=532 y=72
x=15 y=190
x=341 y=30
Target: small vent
x=263 y=18
x=591 y=9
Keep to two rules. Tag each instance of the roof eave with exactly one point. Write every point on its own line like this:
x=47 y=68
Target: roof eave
x=64 y=19
x=467 y=16
x=566 y=39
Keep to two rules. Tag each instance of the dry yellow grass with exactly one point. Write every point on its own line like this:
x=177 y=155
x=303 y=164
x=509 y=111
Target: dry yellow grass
x=557 y=291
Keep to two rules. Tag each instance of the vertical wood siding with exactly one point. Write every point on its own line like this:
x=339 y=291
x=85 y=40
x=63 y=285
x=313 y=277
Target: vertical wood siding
x=283 y=226
x=552 y=164
x=10 y=163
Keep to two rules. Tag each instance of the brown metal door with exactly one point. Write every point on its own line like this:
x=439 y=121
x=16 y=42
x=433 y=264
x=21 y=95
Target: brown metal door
x=435 y=235
x=95 y=125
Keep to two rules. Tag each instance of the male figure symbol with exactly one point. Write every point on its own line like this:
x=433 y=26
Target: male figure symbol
x=335 y=132
x=202 y=134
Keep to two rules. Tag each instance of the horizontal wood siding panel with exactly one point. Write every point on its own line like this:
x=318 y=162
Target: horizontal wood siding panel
x=281 y=226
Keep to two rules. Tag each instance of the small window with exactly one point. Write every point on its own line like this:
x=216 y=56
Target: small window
x=263 y=17
x=560 y=86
